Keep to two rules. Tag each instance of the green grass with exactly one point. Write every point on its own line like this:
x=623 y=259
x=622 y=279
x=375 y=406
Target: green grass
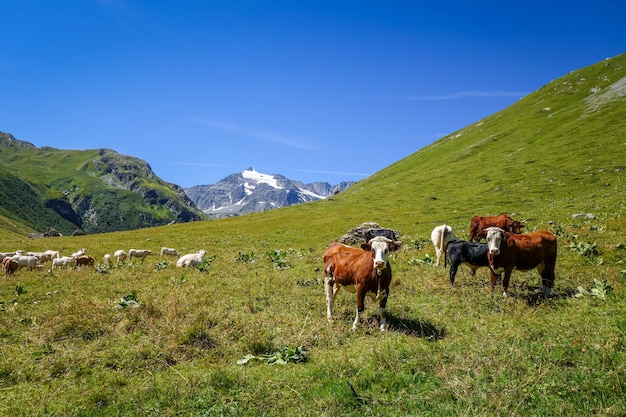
x=68 y=349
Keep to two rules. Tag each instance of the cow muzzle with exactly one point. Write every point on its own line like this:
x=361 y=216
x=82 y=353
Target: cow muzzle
x=494 y=251
x=379 y=265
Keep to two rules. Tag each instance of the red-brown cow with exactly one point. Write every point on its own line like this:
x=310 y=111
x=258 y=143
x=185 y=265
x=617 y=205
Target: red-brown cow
x=365 y=271
x=508 y=251
x=478 y=224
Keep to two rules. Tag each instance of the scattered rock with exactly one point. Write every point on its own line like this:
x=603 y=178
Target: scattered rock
x=584 y=216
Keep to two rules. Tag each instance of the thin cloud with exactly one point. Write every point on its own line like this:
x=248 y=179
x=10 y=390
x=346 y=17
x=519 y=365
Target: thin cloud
x=257 y=134
x=467 y=94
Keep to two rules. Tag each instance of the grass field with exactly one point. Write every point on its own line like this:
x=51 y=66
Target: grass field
x=149 y=339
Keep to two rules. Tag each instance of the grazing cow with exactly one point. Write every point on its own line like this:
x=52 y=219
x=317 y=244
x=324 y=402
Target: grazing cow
x=508 y=251
x=63 y=262
x=85 y=260
x=106 y=259
x=10 y=266
x=169 y=251
x=191 y=259
x=138 y=253
x=472 y=254
x=478 y=224
x=440 y=236
x=27 y=261
x=365 y=271
x=388 y=233
x=119 y=256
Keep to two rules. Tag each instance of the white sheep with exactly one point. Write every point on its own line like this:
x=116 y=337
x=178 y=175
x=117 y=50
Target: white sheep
x=138 y=253
x=191 y=259
x=119 y=256
x=63 y=262
x=169 y=251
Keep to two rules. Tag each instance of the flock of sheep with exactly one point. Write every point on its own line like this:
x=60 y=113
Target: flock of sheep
x=12 y=261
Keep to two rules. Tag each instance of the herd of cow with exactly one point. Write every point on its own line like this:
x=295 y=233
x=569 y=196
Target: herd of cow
x=366 y=271
x=12 y=261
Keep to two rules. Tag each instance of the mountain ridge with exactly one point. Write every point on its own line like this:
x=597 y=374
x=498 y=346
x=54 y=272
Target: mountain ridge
x=251 y=191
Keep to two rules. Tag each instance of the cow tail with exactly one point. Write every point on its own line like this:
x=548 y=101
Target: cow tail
x=445 y=254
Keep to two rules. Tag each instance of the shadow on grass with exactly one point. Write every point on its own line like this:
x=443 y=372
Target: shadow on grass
x=415 y=328
x=409 y=327
x=535 y=298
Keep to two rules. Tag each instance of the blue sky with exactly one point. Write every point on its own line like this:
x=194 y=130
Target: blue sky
x=315 y=90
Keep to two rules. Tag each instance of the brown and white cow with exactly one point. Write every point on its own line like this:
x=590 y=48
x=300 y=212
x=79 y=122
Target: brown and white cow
x=508 y=251
x=478 y=224
x=364 y=271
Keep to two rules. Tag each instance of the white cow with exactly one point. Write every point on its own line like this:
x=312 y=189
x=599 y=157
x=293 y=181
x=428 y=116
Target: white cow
x=63 y=262
x=138 y=253
x=169 y=251
x=119 y=256
x=106 y=259
x=441 y=236
x=191 y=259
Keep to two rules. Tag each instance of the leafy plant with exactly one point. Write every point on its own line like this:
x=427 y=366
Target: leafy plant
x=19 y=290
x=281 y=357
x=588 y=250
x=278 y=259
x=600 y=290
x=161 y=265
x=246 y=258
x=129 y=300
x=426 y=260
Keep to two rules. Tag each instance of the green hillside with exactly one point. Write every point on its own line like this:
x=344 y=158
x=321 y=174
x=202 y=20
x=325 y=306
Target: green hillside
x=75 y=342
x=93 y=190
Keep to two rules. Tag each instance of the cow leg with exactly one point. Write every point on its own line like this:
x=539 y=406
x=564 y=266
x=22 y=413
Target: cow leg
x=453 y=269
x=382 y=309
x=505 y=282
x=360 y=307
x=547 y=278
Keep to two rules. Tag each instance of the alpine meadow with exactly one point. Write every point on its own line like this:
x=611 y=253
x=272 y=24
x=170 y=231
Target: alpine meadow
x=245 y=333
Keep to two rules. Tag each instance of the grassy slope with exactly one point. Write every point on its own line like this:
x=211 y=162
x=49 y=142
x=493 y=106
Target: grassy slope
x=51 y=171
x=461 y=351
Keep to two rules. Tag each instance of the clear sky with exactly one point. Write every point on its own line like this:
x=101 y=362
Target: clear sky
x=316 y=90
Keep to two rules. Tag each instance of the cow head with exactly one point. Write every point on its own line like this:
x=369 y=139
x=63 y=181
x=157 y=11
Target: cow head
x=515 y=226
x=494 y=237
x=380 y=246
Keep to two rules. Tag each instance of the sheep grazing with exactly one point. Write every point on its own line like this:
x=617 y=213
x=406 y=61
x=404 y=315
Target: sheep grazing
x=85 y=260
x=138 y=253
x=191 y=259
x=119 y=256
x=9 y=266
x=80 y=252
x=106 y=259
x=63 y=262
x=27 y=261
x=169 y=251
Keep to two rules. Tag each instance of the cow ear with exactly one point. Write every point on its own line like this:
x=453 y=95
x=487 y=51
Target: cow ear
x=366 y=246
x=395 y=245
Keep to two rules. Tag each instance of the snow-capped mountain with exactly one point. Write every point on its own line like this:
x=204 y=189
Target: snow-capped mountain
x=251 y=191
